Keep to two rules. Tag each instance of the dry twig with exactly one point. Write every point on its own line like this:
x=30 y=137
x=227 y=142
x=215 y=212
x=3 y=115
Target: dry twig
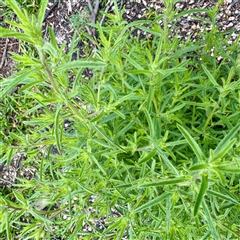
x=106 y=10
x=4 y=54
x=93 y=15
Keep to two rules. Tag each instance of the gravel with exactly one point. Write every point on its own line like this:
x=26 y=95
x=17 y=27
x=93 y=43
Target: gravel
x=62 y=16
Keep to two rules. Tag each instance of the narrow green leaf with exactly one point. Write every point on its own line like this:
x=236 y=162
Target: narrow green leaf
x=223 y=196
x=178 y=68
x=143 y=71
x=57 y=130
x=132 y=24
x=79 y=64
x=225 y=140
x=128 y=185
x=27 y=230
x=220 y=175
x=200 y=104
x=153 y=202
x=132 y=62
x=17 y=25
x=149 y=30
x=77 y=227
x=201 y=193
x=9 y=157
x=53 y=38
x=20 y=198
x=206 y=236
x=15 y=81
x=168 y=218
x=231 y=229
x=148 y=157
x=150 y=123
x=226 y=206
x=116 y=225
x=105 y=136
x=209 y=219
x=14 y=5
x=98 y=164
x=195 y=10
x=95 y=117
x=92 y=94
x=228 y=169
x=158 y=56
x=178 y=107
x=193 y=144
x=224 y=150
x=203 y=20
x=120 y=114
x=10 y=33
x=130 y=96
x=198 y=167
x=164 y=157
x=8 y=226
x=39 y=216
x=125 y=129
x=185 y=50
x=165 y=182
x=49 y=48
x=38 y=122
x=41 y=13
x=102 y=37
x=210 y=77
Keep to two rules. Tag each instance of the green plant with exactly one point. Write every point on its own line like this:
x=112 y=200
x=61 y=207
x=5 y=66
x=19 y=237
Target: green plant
x=80 y=20
x=153 y=135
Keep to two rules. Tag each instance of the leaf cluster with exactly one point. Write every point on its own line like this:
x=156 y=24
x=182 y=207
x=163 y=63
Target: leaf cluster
x=153 y=134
